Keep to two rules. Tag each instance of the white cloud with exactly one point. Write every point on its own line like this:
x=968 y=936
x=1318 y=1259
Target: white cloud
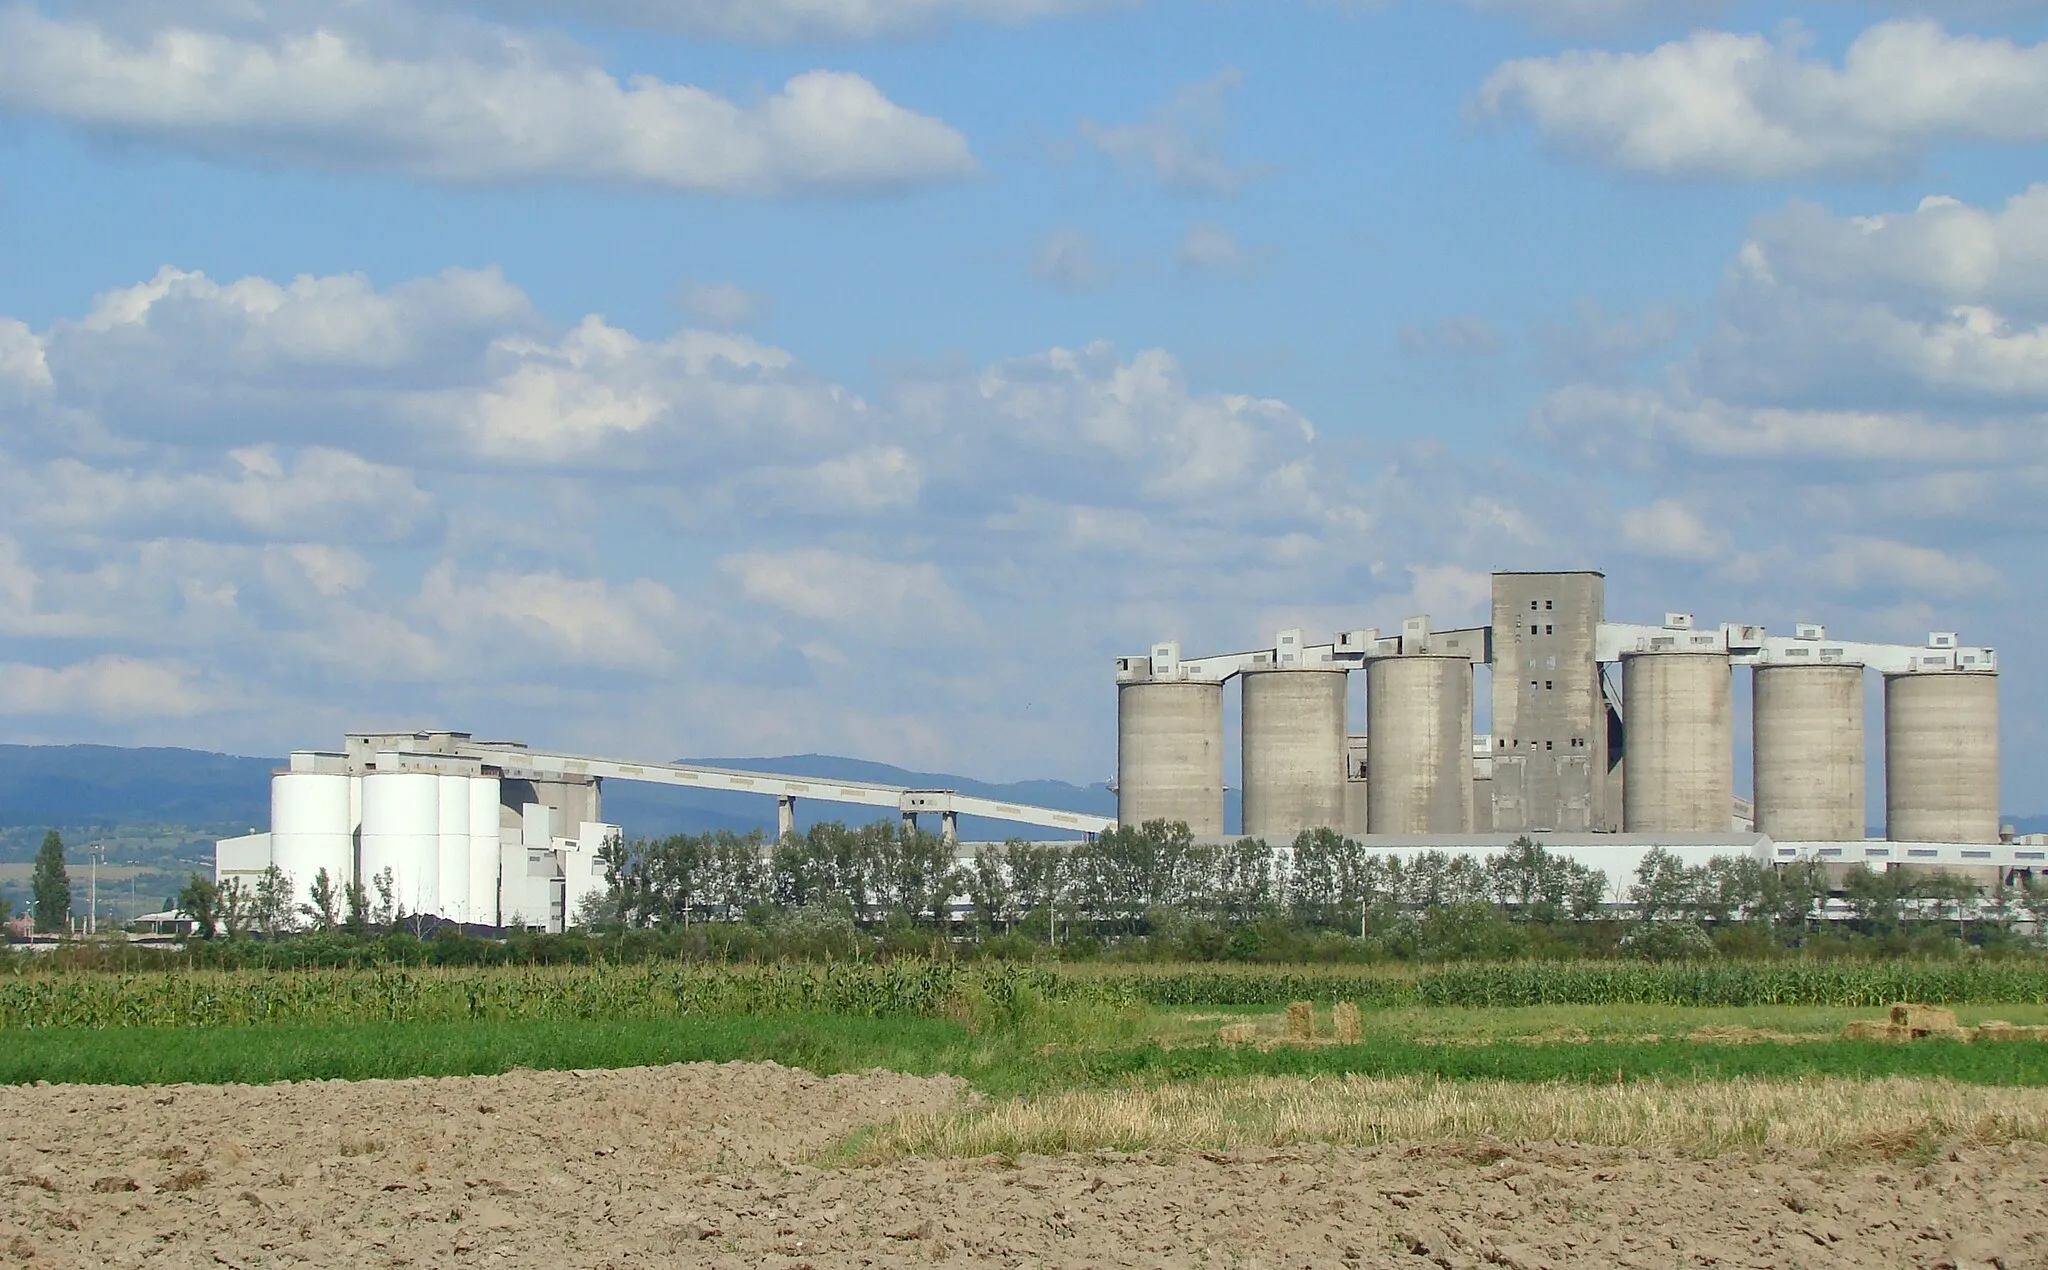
x=1066 y=259
x=723 y=305
x=854 y=594
x=1649 y=426
x=1211 y=248
x=585 y=621
x=486 y=108
x=1591 y=346
x=1180 y=146
x=1723 y=105
x=1669 y=529
x=1941 y=308
x=109 y=686
x=1864 y=564
x=782 y=21
x=660 y=540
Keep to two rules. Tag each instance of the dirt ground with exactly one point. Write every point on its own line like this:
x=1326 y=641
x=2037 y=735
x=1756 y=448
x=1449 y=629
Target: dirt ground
x=707 y=1165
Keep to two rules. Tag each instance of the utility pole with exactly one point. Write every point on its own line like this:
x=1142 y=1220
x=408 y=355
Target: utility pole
x=92 y=919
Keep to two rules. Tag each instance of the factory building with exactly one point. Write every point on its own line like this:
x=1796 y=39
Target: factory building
x=1597 y=728
x=471 y=838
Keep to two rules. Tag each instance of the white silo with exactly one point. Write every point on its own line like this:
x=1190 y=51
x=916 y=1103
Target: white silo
x=1941 y=757
x=453 y=847
x=1169 y=757
x=1419 y=770
x=484 y=851
x=402 y=833
x=1678 y=743
x=1293 y=751
x=311 y=829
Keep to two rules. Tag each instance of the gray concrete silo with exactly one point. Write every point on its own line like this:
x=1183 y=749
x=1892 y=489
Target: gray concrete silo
x=1169 y=754
x=1808 y=733
x=1941 y=757
x=1419 y=770
x=1293 y=752
x=1679 y=743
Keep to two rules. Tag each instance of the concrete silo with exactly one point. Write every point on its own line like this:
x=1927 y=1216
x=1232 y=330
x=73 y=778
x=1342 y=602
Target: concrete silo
x=402 y=833
x=1169 y=754
x=453 y=848
x=1941 y=757
x=312 y=828
x=1419 y=768
x=484 y=850
x=1807 y=726
x=1293 y=739
x=1679 y=743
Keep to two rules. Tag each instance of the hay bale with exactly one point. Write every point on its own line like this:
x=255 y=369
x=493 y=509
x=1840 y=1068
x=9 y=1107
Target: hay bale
x=1301 y=1021
x=1869 y=1030
x=1924 y=1021
x=1238 y=1034
x=1349 y=1029
x=2000 y=1030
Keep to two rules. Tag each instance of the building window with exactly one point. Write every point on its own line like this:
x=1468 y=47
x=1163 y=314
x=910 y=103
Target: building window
x=1550 y=630
x=1532 y=606
x=1550 y=745
x=1550 y=685
x=1548 y=605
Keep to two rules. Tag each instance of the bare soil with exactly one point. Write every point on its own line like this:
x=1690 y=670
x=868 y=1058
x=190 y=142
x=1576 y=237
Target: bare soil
x=715 y=1165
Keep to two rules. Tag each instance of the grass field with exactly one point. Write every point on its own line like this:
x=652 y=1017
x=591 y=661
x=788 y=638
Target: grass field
x=1004 y=1062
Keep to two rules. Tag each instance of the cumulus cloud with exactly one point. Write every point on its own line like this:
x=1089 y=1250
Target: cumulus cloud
x=850 y=593
x=1179 y=146
x=1718 y=104
x=1942 y=307
x=1669 y=529
x=491 y=107
x=110 y=686
x=581 y=621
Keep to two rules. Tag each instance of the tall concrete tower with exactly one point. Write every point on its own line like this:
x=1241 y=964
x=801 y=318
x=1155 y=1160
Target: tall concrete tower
x=1550 y=752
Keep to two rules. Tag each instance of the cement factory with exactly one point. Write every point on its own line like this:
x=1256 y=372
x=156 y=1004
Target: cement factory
x=1599 y=728
x=1607 y=740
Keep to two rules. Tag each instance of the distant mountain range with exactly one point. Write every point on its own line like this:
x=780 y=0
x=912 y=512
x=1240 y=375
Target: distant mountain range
x=82 y=785
x=76 y=785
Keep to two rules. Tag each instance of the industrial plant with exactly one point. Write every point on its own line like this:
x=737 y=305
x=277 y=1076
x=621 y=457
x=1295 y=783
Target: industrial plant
x=1598 y=728
x=1608 y=740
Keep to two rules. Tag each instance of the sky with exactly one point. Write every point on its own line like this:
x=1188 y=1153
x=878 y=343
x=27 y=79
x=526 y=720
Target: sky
x=666 y=377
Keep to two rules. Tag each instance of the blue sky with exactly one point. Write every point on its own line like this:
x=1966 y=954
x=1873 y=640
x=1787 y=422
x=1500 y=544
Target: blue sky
x=694 y=376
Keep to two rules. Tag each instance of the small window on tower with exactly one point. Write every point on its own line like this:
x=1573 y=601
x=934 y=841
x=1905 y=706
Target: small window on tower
x=1549 y=685
x=1550 y=630
x=1548 y=605
x=1550 y=745
x=1532 y=606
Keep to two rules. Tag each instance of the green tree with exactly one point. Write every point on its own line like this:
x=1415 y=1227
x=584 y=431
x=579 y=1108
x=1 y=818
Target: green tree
x=357 y=898
x=324 y=910
x=199 y=899
x=51 y=886
x=236 y=904
x=270 y=905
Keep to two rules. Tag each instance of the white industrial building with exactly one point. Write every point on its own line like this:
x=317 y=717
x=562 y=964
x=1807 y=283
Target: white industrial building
x=497 y=834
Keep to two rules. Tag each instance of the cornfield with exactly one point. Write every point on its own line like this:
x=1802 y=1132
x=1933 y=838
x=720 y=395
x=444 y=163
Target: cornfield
x=923 y=989
x=1594 y=983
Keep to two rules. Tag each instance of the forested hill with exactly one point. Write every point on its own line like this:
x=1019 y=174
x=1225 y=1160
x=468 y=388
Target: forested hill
x=104 y=784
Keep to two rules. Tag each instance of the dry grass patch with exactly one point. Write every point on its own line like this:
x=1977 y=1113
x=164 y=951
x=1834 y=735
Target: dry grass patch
x=1703 y=1119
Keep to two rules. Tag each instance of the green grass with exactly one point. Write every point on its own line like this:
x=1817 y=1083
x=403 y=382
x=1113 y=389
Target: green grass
x=1465 y=1025
x=998 y=1064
